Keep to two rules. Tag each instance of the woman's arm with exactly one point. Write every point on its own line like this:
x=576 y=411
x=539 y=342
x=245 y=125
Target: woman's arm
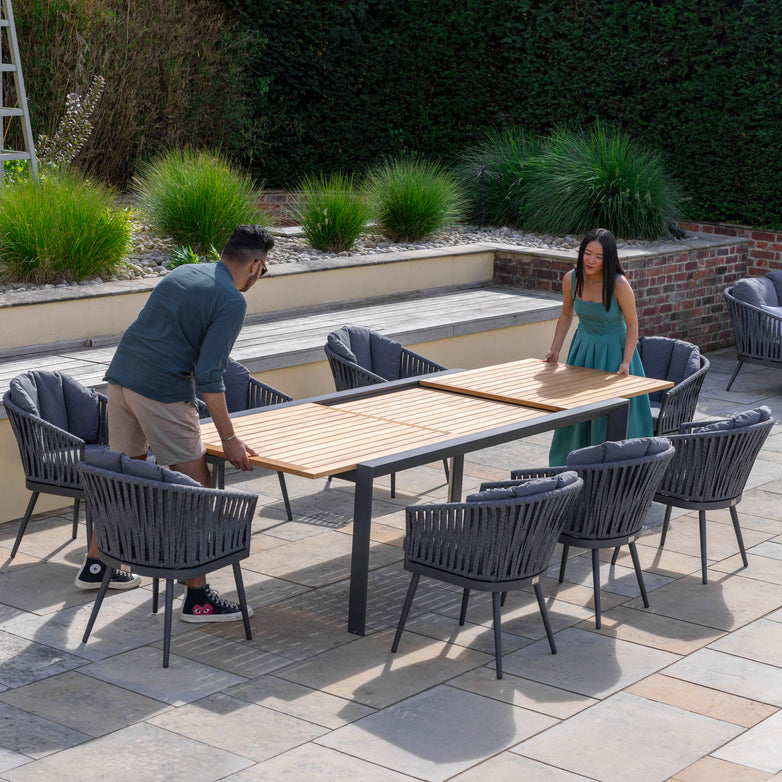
x=564 y=321
x=626 y=300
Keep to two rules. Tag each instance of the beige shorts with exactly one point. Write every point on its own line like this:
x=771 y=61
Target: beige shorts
x=169 y=429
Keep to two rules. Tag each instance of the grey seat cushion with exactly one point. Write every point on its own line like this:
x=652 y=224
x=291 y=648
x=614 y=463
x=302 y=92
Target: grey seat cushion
x=60 y=400
x=757 y=291
x=113 y=461
x=527 y=488
x=776 y=281
x=738 y=420
x=668 y=359
x=237 y=380
x=619 y=451
x=368 y=349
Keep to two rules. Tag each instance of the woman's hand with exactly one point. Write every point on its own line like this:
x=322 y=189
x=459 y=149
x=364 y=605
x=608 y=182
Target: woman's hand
x=624 y=368
x=552 y=356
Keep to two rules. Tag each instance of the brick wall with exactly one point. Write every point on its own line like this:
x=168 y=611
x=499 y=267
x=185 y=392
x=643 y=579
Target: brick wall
x=278 y=203
x=678 y=294
x=764 y=251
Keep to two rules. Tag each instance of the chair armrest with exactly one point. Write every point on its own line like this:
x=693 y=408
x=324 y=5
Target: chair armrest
x=678 y=403
x=348 y=375
x=262 y=395
x=535 y=472
x=413 y=364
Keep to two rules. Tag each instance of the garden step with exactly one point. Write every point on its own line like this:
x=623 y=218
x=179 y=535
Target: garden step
x=276 y=341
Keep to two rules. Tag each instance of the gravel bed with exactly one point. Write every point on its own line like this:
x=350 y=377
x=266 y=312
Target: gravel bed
x=150 y=253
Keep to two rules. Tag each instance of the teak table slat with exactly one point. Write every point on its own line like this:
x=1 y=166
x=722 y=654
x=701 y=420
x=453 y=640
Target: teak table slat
x=377 y=430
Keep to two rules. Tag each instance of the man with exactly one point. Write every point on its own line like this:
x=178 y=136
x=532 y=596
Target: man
x=181 y=340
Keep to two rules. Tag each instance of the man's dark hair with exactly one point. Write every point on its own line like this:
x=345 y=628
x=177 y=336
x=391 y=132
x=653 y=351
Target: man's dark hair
x=247 y=242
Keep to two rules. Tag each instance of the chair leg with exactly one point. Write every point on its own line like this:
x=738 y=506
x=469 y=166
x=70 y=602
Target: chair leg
x=735 y=374
x=405 y=610
x=615 y=555
x=544 y=615
x=739 y=537
x=447 y=471
x=596 y=584
x=167 y=620
x=155 y=594
x=463 y=612
x=242 y=601
x=393 y=484
x=666 y=522
x=495 y=604
x=285 y=499
x=702 y=526
x=639 y=574
x=104 y=586
x=503 y=598
x=563 y=564
x=75 y=532
x=23 y=525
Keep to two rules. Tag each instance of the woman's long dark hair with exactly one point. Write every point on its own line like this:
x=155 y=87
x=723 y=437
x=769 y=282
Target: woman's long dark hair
x=611 y=264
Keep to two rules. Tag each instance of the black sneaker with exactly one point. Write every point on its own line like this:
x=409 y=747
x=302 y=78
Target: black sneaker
x=91 y=573
x=203 y=604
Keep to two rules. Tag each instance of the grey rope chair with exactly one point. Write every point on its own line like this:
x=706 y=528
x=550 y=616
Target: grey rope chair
x=682 y=363
x=244 y=392
x=710 y=470
x=620 y=480
x=500 y=539
x=361 y=357
x=55 y=420
x=167 y=527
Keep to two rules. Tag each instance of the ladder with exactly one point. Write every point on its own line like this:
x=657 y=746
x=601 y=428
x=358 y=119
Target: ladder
x=14 y=66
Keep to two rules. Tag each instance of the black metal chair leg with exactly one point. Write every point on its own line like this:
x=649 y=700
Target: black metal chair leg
x=104 y=585
x=615 y=555
x=596 y=584
x=739 y=537
x=155 y=594
x=544 y=615
x=503 y=598
x=75 y=532
x=563 y=564
x=447 y=471
x=735 y=374
x=285 y=499
x=242 y=600
x=702 y=526
x=167 y=620
x=23 y=525
x=405 y=610
x=495 y=604
x=666 y=522
x=463 y=612
x=639 y=573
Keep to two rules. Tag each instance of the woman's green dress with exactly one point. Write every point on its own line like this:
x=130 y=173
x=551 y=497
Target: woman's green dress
x=599 y=343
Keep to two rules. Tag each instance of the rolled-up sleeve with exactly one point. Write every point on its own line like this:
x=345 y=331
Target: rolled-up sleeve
x=216 y=347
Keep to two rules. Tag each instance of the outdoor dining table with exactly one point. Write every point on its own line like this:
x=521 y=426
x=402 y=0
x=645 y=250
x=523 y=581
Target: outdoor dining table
x=377 y=430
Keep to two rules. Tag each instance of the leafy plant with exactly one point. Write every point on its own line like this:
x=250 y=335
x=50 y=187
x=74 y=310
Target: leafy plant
x=598 y=177
x=185 y=254
x=412 y=198
x=331 y=212
x=197 y=198
x=492 y=174
x=62 y=229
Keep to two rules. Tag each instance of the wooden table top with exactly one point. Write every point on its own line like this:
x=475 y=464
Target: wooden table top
x=316 y=440
x=545 y=385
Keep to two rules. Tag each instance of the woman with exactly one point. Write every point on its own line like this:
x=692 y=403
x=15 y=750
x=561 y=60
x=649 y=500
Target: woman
x=606 y=338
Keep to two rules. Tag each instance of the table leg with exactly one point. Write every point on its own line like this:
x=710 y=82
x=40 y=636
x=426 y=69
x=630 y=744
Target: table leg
x=455 y=484
x=616 y=428
x=359 y=561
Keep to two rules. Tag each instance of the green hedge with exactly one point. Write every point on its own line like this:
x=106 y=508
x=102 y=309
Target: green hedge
x=345 y=82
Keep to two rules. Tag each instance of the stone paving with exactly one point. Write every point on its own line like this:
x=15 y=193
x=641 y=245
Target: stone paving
x=689 y=689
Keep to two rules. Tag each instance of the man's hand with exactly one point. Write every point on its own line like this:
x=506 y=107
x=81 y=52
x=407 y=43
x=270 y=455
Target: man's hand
x=237 y=453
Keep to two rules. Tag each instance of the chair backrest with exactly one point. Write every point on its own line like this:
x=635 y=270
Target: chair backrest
x=493 y=536
x=668 y=359
x=148 y=516
x=714 y=459
x=759 y=291
x=368 y=349
x=60 y=400
x=620 y=480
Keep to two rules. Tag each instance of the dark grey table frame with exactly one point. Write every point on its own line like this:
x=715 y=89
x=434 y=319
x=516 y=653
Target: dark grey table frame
x=365 y=473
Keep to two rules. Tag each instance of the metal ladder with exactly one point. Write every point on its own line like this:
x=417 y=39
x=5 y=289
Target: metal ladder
x=14 y=66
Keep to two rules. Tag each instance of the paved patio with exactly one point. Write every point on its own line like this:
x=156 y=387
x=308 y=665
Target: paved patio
x=689 y=689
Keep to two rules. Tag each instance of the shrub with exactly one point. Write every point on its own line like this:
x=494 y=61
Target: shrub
x=185 y=254
x=63 y=229
x=491 y=174
x=413 y=197
x=598 y=177
x=331 y=212
x=197 y=198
